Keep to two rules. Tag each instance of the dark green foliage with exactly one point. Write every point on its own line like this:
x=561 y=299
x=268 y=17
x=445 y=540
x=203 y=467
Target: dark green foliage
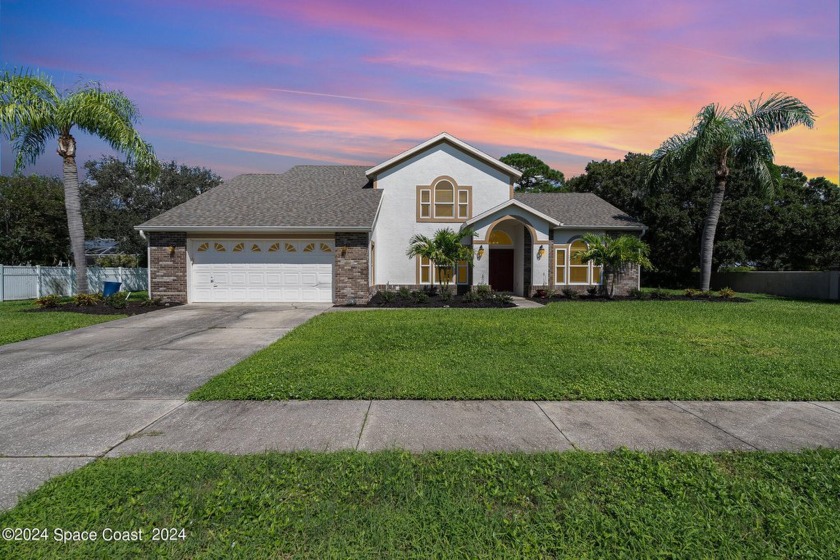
x=116 y=301
x=537 y=176
x=128 y=261
x=86 y=300
x=446 y=505
x=636 y=293
x=768 y=233
x=388 y=296
x=117 y=196
x=726 y=293
x=152 y=302
x=51 y=300
x=33 y=221
x=419 y=296
x=569 y=293
x=483 y=291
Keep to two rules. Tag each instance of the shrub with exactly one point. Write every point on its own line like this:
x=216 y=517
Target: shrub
x=471 y=297
x=387 y=296
x=116 y=301
x=85 y=300
x=569 y=293
x=707 y=294
x=542 y=294
x=151 y=302
x=592 y=291
x=500 y=297
x=404 y=292
x=419 y=296
x=726 y=293
x=52 y=300
x=445 y=295
x=431 y=290
x=636 y=293
x=483 y=291
x=691 y=292
x=659 y=293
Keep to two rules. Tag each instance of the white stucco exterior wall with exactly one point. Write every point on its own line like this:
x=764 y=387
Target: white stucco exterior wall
x=397 y=221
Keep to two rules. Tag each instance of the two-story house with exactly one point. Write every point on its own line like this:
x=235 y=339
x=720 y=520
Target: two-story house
x=339 y=233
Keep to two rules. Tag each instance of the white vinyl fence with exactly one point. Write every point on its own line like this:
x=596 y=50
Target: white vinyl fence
x=28 y=282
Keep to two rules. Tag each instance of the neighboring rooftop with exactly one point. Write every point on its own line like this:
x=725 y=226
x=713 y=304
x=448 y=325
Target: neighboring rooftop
x=328 y=196
x=578 y=209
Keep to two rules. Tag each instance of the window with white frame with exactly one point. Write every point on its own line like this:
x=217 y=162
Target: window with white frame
x=569 y=268
x=444 y=201
x=430 y=274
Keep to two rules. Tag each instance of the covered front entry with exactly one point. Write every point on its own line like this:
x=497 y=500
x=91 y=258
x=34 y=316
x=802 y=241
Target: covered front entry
x=267 y=270
x=502 y=269
x=511 y=250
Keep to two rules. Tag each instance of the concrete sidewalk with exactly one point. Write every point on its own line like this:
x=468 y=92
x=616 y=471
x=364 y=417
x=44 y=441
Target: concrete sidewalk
x=30 y=454
x=252 y=427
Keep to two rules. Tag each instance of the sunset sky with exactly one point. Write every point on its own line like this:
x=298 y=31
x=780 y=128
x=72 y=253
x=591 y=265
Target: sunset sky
x=251 y=86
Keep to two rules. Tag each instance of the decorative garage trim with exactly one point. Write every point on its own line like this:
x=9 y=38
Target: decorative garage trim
x=260 y=270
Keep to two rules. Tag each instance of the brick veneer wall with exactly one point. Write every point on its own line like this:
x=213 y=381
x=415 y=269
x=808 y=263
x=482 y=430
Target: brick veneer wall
x=168 y=266
x=350 y=278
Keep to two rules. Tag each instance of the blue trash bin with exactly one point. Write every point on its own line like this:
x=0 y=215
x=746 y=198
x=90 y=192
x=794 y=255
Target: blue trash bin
x=110 y=288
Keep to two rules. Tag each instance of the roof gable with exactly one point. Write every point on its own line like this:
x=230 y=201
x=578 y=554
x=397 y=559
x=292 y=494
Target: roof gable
x=445 y=138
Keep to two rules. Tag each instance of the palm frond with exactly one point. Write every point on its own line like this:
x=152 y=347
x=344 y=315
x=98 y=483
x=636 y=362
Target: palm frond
x=27 y=109
x=111 y=116
x=777 y=113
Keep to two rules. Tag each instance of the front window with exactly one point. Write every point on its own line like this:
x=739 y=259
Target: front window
x=444 y=201
x=578 y=270
x=443 y=274
x=569 y=268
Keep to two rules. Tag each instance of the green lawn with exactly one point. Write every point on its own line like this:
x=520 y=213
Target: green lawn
x=444 y=505
x=16 y=325
x=768 y=348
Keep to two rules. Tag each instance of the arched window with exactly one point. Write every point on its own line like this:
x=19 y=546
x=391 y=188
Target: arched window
x=444 y=200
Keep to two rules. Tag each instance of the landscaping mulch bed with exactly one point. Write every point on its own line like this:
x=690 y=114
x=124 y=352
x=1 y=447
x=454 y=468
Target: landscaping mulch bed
x=435 y=300
x=131 y=308
x=560 y=298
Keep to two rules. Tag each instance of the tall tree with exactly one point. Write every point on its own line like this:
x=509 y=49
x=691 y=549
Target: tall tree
x=722 y=137
x=33 y=223
x=537 y=176
x=117 y=196
x=33 y=111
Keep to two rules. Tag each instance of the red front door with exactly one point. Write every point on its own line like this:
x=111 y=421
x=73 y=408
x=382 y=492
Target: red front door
x=501 y=270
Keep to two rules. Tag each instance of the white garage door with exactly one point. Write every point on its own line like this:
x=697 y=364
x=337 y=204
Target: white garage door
x=233 y=270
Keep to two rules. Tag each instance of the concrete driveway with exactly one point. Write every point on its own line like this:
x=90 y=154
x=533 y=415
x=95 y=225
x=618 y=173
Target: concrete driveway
x=70 y=397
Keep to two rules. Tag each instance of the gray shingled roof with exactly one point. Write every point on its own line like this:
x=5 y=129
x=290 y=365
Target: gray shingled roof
x=328 y=196
x=578 y=209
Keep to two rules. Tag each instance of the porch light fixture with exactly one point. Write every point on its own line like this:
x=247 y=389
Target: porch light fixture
x=480 y=251
x=541 y=252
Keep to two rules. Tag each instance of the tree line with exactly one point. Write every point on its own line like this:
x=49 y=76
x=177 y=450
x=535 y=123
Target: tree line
x=115 y=197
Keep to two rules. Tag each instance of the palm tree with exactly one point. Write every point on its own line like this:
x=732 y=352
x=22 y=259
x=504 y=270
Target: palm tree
x=721 y=137
x=444 y=250
x=32 y=111
x=615 y=254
